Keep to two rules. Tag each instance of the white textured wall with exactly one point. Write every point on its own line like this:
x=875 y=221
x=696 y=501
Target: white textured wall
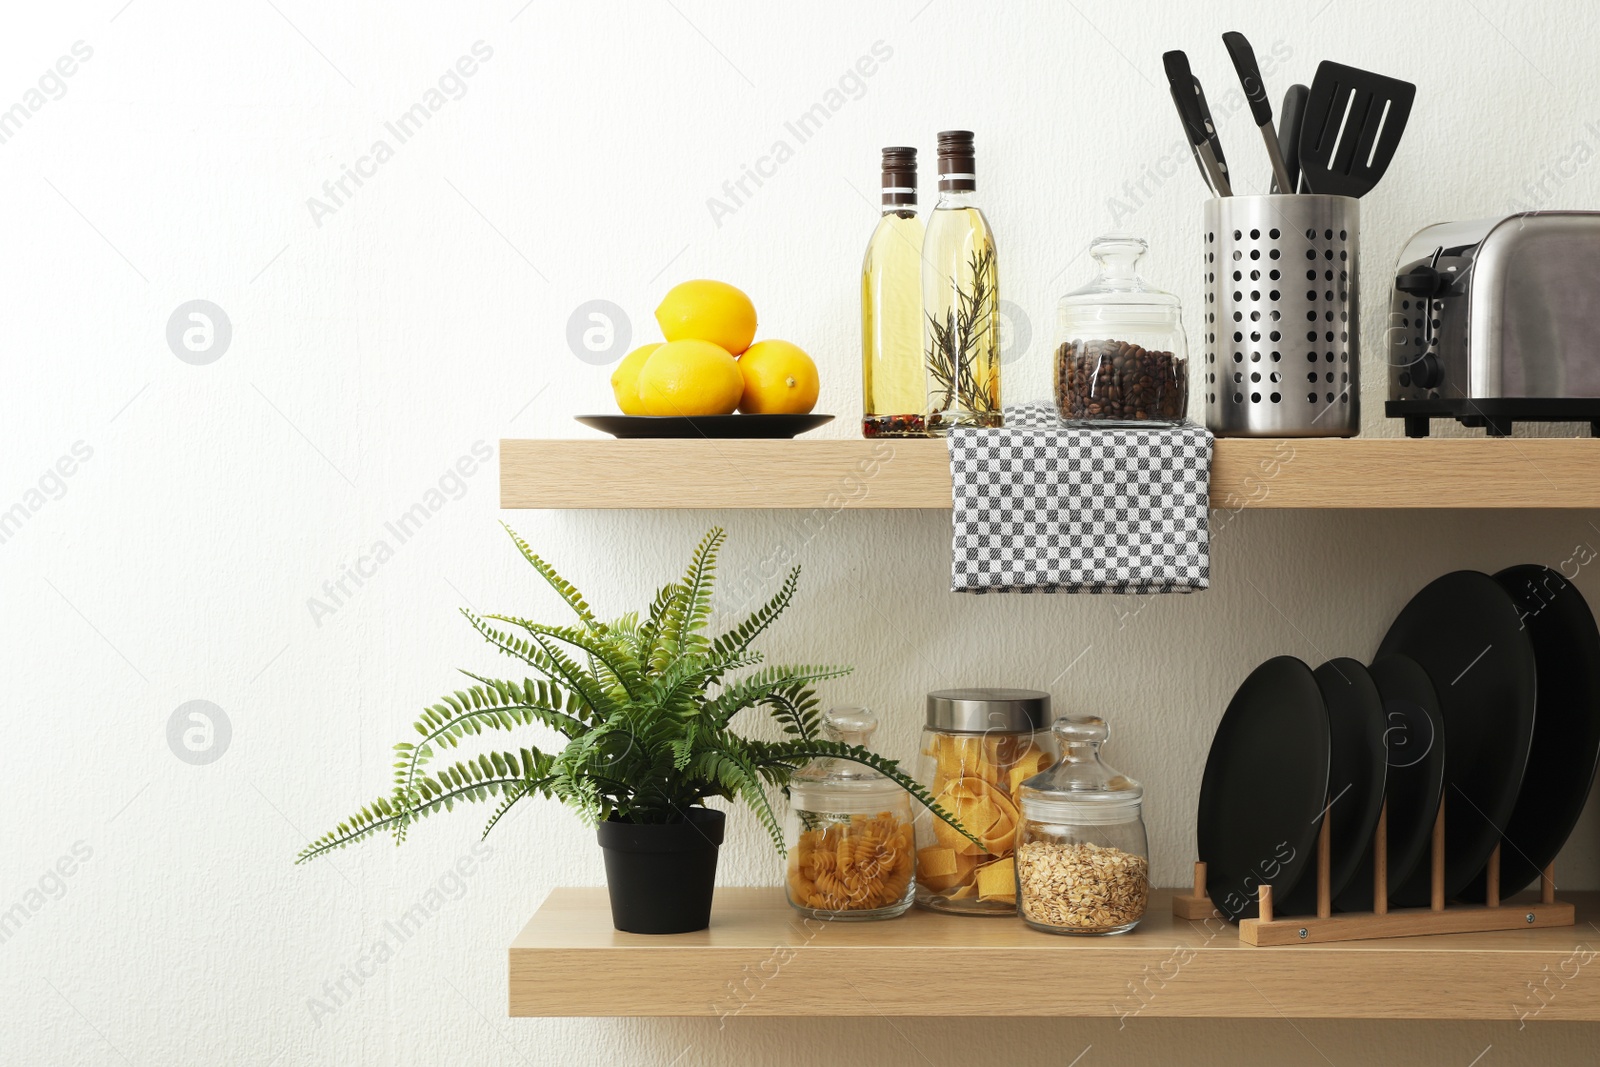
x=374 y=345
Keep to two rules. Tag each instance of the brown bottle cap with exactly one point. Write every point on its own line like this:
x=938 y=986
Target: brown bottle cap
x=958 y=171
x=899 y=177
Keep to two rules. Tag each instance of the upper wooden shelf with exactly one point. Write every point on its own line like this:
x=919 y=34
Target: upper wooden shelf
x=830 y=473
x=760 y=958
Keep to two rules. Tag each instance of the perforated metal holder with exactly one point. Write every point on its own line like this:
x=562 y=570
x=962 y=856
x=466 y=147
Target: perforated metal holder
x=1282 y=333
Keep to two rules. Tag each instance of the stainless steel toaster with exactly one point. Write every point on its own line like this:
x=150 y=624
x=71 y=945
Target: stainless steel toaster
x=1497 y=321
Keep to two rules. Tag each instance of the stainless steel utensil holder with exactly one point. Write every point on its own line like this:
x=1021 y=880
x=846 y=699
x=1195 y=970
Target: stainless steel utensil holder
x=1282 y=335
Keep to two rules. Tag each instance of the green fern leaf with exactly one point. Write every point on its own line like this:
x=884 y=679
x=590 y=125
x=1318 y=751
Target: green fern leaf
x=732 y=769
x=540 y=654
x=613 y=653
x=468 y=781
x=758 y=687
x=741 y=636
x=566 y=589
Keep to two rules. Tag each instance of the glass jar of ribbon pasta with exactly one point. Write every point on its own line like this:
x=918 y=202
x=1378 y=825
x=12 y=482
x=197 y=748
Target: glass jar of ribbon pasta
x=849 y=834
x=1083 y=864
x=977 y=747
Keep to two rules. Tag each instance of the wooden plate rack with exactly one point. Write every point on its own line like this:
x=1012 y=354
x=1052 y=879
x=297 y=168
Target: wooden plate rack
x=1438 y=918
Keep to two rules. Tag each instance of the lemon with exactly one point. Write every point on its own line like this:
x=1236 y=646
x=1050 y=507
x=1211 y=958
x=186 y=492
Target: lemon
x=779 y=379
x=690 y=377
x=625 y=379
x=708 y=311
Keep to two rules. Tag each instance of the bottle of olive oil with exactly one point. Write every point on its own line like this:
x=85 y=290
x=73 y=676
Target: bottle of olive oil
x=960 y=298
x=894 y=387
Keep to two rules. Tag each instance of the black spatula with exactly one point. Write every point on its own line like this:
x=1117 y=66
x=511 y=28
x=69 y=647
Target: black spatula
x=1353 y=123
x=1290 y=116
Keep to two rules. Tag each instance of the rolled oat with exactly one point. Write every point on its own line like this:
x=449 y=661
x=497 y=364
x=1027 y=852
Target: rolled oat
x=1085 y=888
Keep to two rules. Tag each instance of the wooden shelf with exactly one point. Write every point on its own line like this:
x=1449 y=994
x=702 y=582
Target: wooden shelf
x=829 y=473
x=761 y=958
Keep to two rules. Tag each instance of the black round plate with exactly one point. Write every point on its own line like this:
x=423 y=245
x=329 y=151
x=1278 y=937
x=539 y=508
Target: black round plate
x=1414 y=741
x=1265 y=783
x=1356 y=770
x=1566 y=743
x=1465 y=631
x=718 y=426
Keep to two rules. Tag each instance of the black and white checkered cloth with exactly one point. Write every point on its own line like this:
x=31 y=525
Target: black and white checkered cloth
x=1045 y=508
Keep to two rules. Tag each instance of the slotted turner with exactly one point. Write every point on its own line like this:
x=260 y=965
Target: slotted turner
x=1353 y=123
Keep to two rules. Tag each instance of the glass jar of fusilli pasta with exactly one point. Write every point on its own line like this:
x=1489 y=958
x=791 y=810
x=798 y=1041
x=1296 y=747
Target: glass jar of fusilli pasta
x=851 y=846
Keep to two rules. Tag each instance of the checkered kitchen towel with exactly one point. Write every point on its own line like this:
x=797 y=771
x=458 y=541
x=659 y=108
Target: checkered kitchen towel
x=1041 y=507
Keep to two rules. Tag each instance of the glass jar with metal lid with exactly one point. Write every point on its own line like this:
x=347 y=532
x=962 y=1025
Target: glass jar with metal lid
x=849 y=833
x=1083 y=864
x=977 y=747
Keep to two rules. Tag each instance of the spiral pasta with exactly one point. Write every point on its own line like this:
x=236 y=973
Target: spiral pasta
x=857 y=865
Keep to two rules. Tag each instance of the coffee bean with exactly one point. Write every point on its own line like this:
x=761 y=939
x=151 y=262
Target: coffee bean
x=1117 y=381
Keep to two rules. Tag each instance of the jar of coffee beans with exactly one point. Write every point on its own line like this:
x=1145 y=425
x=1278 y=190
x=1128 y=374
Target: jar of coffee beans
x=1121 y=357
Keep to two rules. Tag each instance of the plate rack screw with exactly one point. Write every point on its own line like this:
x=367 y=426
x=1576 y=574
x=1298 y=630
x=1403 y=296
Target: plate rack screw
x=1303 y=929
x=1529 y=916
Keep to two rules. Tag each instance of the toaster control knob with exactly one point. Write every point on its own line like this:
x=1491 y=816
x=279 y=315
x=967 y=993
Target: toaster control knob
x=1423 y=281
x=1426 y=372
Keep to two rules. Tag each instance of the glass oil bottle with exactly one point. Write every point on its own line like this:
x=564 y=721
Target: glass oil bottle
x=960 y=298
x=893 y=381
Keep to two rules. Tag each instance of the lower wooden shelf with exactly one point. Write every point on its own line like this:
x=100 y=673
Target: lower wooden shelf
x=832 y=474
x=761 y=958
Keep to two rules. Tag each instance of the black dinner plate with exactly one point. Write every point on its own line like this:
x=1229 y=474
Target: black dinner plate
x=1265 y=784
x=1566 y=742
x=718 y=426
x=1466 y=632
x=1356 y=770
x=1414 y=742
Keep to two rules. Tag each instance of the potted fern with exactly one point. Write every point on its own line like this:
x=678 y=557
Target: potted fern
x=646 y=709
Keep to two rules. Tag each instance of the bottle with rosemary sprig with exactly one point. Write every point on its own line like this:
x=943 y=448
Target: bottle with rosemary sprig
x=960 y=298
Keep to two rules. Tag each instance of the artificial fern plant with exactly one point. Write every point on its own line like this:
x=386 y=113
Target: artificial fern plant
x=645 y=707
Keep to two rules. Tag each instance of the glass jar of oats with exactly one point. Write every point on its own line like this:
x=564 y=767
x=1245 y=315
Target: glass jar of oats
x=1083 y=864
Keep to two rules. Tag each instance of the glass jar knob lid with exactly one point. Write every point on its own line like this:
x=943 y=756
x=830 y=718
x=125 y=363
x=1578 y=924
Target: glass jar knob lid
x=1080 y=787
x=1118 y=256
x=852 y=726
x=1117 y=281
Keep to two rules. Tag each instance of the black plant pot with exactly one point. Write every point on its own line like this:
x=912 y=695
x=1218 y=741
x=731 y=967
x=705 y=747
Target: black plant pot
x=661 y=875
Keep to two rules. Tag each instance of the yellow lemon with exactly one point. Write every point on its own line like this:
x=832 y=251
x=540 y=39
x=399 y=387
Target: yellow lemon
x=625 y=379
x=779 y=379
x=690 y=377
x=708 y=311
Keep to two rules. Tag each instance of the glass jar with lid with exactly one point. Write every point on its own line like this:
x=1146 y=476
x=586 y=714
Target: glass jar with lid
x=849 y=833
x=1121 y=358
x=1083 y=864
x=977 y=747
